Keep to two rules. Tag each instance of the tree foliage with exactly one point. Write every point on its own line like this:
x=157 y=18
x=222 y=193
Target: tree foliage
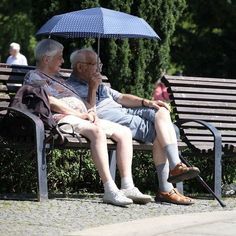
x=16 y=26
x=204 y=40
x=132 y=65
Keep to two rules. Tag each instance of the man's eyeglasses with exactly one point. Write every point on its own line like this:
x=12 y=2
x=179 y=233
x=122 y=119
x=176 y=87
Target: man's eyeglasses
x=91 y=64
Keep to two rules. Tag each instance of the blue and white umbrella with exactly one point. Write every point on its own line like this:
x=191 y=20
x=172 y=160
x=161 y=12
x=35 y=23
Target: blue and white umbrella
x=97 y=23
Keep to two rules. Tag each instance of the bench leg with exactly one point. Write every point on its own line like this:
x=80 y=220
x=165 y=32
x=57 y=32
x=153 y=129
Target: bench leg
x=218 y=168
x=204 y=184
x=112 y=157
x=41 y=166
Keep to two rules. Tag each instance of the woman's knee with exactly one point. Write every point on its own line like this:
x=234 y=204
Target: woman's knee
x=123 y=133
x=95 y=132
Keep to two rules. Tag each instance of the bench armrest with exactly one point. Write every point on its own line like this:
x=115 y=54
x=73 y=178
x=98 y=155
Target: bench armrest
x=215 y=132
x=36 y=121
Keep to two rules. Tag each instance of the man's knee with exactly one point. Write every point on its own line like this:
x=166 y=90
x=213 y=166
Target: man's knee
x=162 y=113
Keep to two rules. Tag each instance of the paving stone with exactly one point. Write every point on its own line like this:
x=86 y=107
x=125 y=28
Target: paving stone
x=59 y=216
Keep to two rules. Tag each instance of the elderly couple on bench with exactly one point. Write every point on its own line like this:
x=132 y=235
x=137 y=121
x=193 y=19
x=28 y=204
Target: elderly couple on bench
x=97 y=112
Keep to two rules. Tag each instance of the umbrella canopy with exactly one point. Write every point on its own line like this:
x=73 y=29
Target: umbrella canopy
x=97 y=23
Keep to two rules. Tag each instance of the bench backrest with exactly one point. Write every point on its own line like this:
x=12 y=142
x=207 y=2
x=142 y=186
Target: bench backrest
x=11 y=79
x=209 y=99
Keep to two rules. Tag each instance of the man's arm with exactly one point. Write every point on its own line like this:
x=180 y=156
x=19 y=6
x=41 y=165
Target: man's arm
x=91 y=99
x=93 y=85
x=129 y=100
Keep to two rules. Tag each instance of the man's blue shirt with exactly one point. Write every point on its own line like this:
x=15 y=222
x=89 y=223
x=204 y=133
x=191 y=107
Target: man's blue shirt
x=106 y=97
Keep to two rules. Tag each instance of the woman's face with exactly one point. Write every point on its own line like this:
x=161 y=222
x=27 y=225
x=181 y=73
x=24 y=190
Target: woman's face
x=54 y=62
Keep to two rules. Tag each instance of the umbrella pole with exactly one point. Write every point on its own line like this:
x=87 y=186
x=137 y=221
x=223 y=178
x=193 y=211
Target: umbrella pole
x=98 y=67
x=98 y=53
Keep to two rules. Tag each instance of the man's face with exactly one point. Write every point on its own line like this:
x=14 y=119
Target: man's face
x=89 y=67
x=54 y=62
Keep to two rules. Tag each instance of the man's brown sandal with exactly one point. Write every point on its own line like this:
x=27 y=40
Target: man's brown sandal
x=182 y=172
x=173 y=197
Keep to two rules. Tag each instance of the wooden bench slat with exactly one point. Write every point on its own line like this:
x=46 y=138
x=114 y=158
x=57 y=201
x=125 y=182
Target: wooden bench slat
x=11 y=79
x=224 y=133
x=4 y=96
x=218 y=125
x=202 y=97
x=224 y=119
x=208 y=138
x=209 y=111
x=190 y=79
x=216 y=104
x=203 y=90
x=73 y=142
x=202 y=84
x=3 y=88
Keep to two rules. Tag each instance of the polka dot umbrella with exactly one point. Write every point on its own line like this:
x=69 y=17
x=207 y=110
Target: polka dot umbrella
x=97 y=23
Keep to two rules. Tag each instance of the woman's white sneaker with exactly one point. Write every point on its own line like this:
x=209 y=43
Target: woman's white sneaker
x=137 y=196
x=117 y=198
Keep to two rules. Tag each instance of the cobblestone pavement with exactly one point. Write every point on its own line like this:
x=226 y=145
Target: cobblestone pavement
x=59 y=216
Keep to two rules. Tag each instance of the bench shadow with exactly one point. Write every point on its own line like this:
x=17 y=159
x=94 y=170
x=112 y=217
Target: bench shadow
x=86 y=197
x=18 y=197
x=61 y=197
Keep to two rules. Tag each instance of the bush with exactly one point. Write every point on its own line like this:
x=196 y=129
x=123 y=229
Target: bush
x=74 y=172
x=18 y=172
x=71 y=171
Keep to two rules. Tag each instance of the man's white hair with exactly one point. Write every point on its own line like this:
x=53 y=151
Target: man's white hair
x=79 y=55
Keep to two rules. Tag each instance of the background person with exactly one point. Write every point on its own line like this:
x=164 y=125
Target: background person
x=160 y=92
x=16 y=58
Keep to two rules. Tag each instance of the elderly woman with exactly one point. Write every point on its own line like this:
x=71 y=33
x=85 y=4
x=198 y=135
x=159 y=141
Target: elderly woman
x=70 y=108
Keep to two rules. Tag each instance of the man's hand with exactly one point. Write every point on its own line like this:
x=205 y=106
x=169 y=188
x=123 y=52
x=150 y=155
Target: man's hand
x=156 y=104
x=95 y=81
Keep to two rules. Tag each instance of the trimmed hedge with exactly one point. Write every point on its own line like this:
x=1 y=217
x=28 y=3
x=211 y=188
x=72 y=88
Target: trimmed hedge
x=74 y=172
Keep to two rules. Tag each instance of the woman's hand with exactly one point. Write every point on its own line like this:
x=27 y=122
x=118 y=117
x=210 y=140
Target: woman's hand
x=91 y=116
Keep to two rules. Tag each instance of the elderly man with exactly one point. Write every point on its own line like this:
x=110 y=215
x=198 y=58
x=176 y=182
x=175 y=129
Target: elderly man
x=148 y=120
x=69 y=108
x=16 y=58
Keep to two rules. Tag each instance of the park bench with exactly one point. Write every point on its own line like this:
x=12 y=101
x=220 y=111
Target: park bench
x=11 y=79
x=200 y=105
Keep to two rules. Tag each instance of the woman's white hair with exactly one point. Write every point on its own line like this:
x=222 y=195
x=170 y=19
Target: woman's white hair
x=47 y=47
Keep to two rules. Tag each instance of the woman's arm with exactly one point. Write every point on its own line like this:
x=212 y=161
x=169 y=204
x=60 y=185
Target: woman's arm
x=60 y=107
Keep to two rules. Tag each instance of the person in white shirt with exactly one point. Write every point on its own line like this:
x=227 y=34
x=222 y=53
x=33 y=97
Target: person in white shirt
x=16 y=58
